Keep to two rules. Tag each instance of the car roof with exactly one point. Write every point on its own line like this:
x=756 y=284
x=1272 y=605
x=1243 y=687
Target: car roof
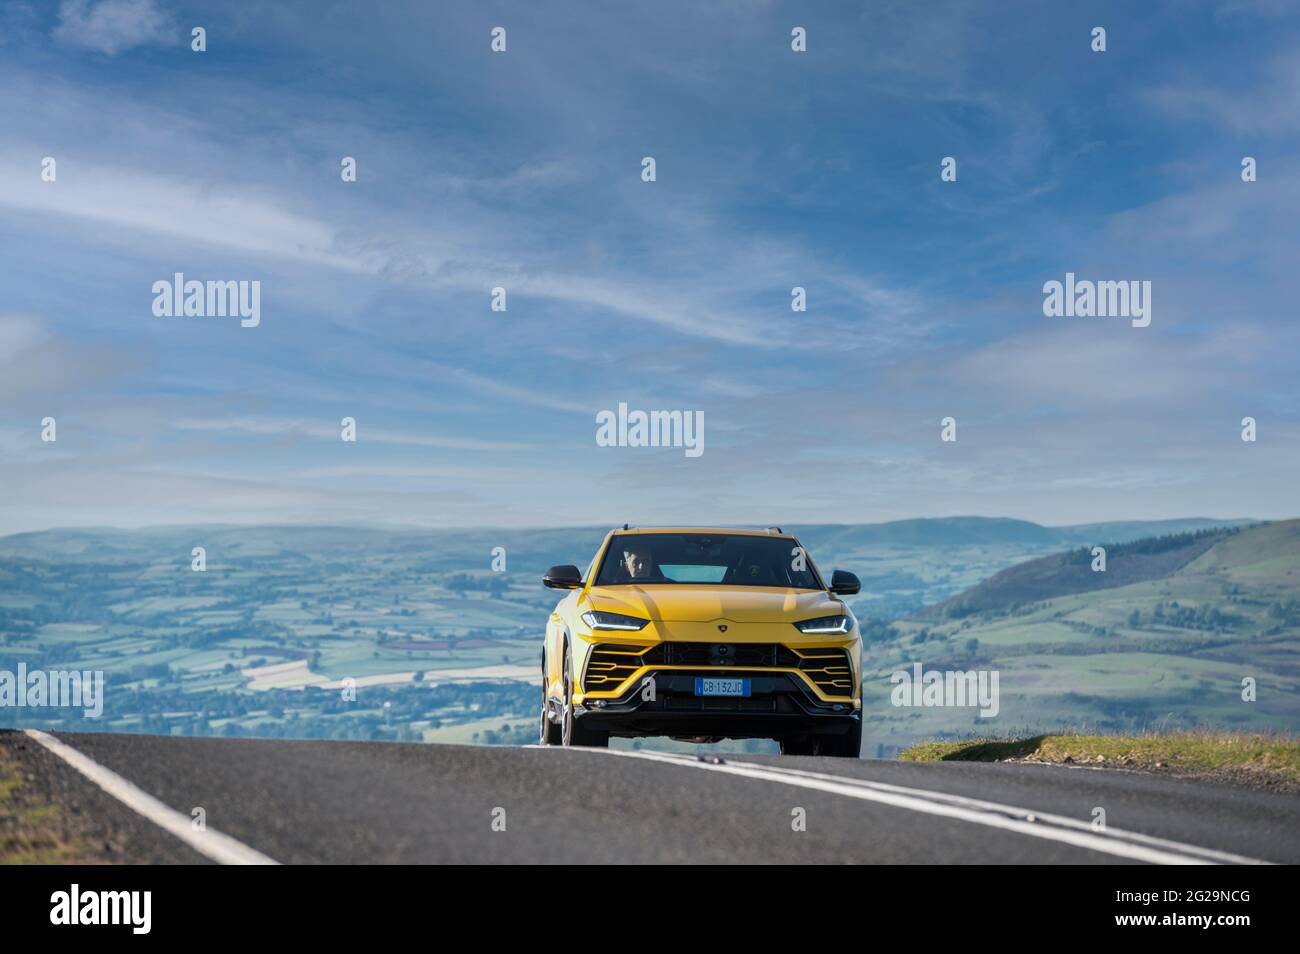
x=773 y=532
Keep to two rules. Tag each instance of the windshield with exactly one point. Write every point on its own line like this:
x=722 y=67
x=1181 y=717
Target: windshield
x=720 y=559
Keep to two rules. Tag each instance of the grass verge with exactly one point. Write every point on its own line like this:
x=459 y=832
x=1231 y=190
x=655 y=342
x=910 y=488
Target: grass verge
x=31 y=830
x=1261 y=760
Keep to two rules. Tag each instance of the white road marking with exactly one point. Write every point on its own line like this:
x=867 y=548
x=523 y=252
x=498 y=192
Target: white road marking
x=1036 y=817
x=211 y=844
x=1058 y=828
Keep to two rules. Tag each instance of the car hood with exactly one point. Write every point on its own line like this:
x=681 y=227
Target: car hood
x=702 y=604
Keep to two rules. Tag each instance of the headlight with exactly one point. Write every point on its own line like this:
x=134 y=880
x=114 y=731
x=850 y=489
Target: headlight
x=826 y=625
x=597 y=620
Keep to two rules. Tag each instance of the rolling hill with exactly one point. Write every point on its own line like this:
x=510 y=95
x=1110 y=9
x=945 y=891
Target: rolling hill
x=1062 y=574
x=1165 y=636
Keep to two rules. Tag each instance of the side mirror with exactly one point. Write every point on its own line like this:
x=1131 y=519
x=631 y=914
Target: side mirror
x=844 y=583
x=563 y=577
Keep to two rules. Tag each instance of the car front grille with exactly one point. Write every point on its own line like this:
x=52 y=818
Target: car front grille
x=724 y=654
x=610 y=664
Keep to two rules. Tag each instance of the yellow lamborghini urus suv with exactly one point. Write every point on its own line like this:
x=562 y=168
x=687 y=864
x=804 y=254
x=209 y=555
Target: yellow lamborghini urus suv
x=703 y=635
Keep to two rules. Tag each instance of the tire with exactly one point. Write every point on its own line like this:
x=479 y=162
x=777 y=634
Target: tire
x=550 y=731
x=572 y=732
x=797 y=745
x=846 y=746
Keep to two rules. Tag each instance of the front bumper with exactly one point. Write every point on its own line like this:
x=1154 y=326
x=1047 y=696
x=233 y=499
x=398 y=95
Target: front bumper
x=779 y=704
x=825 y=670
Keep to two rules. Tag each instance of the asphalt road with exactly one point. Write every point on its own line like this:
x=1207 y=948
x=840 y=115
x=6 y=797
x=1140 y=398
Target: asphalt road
x=364 y=802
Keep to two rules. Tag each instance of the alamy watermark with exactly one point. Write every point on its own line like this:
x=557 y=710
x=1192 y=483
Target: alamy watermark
x=624 y=428
x=946 y=688
x=55 y=689
x=1089 y=299
x=130 y=908
x=214 y=299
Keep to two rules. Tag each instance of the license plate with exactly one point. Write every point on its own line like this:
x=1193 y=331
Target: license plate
x=705 y=686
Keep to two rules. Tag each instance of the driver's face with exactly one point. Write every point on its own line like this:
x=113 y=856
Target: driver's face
x=637 y=563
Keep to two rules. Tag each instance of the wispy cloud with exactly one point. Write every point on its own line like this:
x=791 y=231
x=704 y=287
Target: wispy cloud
x=113 y=26
x=485 y=384
x=198 y=213
x=318 y=430
x=1240 y=102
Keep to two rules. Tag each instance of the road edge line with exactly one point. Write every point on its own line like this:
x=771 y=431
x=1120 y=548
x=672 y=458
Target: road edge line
x=210 y=843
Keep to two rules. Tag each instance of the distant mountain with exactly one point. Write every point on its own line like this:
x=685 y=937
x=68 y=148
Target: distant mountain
x=929 y=532
x=1061 y=574
x=452 y=548
x=923 y=531
x=904 y=565
x=1123 y=531
x=976 y=531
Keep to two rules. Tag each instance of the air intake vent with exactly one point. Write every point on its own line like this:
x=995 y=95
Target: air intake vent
x=828 y=668
x=610 y=664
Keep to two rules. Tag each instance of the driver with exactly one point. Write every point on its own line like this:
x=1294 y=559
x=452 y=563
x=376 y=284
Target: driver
x=639 y=563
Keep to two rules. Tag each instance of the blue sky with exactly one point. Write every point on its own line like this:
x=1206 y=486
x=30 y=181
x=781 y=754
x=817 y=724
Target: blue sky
x=522 y=169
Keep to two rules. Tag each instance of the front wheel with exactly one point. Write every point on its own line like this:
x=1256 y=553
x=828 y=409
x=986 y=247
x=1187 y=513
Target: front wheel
x=846 y=746
x=797 y=745
x=550 y=731
x=572 y=732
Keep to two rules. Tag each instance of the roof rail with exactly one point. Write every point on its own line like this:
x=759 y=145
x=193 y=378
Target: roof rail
x=777 y=529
